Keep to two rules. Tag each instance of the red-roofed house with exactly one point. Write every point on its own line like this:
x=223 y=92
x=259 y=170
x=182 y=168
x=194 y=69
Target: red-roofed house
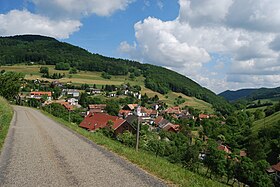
x=38 y=95
x=224 y=148
x=172 y=128
x=173 y=110
x=94 y=121
x=277 y=170
x=67 y=105
x=203 y=116
x=124 y=113
x=130 y=107
x=97 y=108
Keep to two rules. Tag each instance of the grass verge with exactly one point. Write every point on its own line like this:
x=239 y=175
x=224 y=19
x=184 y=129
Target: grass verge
x=174 y=175
x=6 y=115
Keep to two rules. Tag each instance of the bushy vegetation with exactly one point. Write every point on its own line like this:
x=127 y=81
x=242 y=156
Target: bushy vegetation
x=10 y=84
x=59 y=111
x=6 y=114
x=62 y=66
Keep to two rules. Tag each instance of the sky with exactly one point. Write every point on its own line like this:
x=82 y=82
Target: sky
x=221 y=44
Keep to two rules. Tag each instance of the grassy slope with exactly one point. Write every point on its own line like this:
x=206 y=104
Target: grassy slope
x=266 y=122
x=32 y=72
x=6 y=114
x=173 y=174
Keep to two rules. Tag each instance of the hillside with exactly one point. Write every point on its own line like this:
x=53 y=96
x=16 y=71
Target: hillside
x=235 y=95
x=266 y=122
x=251 y=94
x=49 y=51
x=83 y=77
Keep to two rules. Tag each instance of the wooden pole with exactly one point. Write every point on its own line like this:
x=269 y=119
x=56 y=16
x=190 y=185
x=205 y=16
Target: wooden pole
x=137 y=135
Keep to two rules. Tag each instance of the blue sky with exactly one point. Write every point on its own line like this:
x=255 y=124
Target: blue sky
x=221 y=44
x=104 y=34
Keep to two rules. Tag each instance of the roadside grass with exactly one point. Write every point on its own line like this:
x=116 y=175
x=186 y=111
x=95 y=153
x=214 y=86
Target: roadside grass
x=266 y=122
x=6 y=114
x=172 y=174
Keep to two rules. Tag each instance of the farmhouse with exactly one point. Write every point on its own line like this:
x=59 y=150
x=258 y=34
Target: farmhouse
x=71 y=92
x=97 y=108
x=94 y=121
x=38 y=95
x=276 y=168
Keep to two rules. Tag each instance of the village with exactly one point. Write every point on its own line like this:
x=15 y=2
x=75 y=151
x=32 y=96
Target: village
x=95 y=115
x=121 y=109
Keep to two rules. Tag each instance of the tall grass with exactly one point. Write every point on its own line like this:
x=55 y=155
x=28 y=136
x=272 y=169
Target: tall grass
x=172 y=174
x=6 y=114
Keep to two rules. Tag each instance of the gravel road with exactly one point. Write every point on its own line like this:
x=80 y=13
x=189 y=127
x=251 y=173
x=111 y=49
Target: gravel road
x=40 y=152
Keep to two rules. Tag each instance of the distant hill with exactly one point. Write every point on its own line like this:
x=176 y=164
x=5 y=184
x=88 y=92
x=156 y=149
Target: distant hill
x=251 y=94
x=49 y=51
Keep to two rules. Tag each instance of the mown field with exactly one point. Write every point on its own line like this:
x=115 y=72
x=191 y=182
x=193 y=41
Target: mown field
x=6 y=114
x=266 y=122
x=85 y=77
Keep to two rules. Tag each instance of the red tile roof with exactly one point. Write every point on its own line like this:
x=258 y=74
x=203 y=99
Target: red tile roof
x=172 y=128
x=224 y=148
x=97 y=106
x=132 y=106
x=49 y=94
x=158 y=119
x=124 y=112
x=94 y=121
x=203 y=116
x=276 y=167
x=173 y=110
x=66 y=105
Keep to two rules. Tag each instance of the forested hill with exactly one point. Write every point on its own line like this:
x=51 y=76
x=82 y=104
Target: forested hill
x=46 y=50
x=251 y=94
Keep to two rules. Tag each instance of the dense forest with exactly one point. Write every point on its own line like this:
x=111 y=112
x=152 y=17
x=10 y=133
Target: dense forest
x=46 y=50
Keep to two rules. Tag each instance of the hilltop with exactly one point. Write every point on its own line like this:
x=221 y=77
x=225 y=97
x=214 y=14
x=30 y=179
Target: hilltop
x=49 y=51
x=251 y=94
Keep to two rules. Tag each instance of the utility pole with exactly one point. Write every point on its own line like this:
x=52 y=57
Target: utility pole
x=69 y=116
x=138 y=127
x=137 y=134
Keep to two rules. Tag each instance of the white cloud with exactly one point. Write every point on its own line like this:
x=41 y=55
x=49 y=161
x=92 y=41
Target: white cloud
x=160 y=4
x=77 y=9
x=56 y=18
x=18 y=22
x=248 y=38
x=157 y=43
x=256 y=15
x=203 y=12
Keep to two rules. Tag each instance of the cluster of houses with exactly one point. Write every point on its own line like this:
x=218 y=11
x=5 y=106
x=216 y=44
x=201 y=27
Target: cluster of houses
x=127 y=117
x=132 y=113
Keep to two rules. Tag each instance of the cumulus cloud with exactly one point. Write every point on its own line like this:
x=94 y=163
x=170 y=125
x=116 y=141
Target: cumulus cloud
x=56 y=18
x=249 y=39
x=18 y=22
x=77 y=9
x=157 y=43
x=256 y=15
x=202 y=12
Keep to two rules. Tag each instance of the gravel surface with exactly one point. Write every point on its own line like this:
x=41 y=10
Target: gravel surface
x=40 y=152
